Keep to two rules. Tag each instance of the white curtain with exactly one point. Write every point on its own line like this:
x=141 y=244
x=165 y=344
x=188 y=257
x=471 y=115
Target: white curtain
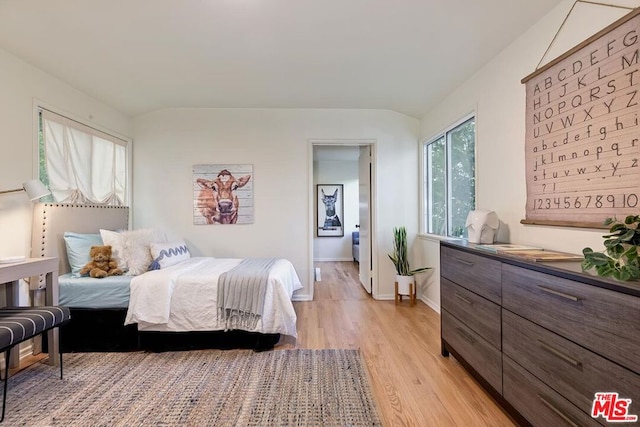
x=84 y=165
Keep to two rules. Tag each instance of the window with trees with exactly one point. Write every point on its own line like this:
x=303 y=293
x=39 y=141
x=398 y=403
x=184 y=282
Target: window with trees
x=449 y=179
x=81 y=164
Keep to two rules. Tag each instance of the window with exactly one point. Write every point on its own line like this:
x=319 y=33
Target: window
x=449 y=179
x=81 y=164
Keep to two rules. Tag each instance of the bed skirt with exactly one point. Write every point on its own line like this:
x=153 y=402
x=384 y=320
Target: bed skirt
x=177 y=341
x=103 y=330
x=98 y=330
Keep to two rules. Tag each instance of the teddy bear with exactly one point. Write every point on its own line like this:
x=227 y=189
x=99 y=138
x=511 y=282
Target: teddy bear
x=101 y=264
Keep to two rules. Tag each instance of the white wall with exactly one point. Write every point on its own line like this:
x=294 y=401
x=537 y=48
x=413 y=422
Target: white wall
x=277 y=142
x=498 y=98
x=21 y=84
x=345 y=173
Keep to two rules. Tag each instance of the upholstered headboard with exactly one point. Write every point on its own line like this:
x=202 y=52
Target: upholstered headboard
x=51 y=220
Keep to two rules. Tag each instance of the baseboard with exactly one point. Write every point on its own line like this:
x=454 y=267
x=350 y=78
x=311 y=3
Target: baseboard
x=332 y=259
x=25 y=351
x=385 y=297
x=434 y=306
x=302 y=297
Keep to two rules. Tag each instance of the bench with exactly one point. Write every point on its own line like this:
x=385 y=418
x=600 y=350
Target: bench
x=18 y=324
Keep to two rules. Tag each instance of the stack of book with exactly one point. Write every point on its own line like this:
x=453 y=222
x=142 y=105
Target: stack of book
x=529 y=253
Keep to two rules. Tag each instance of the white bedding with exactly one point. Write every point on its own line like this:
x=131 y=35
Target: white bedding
x=183 y=297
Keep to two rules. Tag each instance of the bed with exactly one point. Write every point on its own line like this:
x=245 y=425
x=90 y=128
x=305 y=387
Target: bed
x=179 y=305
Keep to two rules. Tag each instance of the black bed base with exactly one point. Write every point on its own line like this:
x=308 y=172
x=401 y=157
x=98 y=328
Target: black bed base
x=174 y=341
x=103 y=330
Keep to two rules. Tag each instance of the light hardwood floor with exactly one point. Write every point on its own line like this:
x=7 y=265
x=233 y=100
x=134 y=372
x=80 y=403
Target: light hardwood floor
x=413 y=384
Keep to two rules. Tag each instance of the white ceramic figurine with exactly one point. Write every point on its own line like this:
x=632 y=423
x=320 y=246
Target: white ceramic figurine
x=482 y=225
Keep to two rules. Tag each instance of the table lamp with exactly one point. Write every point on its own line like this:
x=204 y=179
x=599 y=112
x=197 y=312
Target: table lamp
x=35 y=189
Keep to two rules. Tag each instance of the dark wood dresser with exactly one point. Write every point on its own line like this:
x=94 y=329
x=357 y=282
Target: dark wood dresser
x=542 y=338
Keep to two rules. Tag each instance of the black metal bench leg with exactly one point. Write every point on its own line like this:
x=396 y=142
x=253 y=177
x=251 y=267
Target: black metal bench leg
x=60 y=350
x=7 y=355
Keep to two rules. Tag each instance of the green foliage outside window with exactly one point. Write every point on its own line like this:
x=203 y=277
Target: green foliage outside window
x=42 y=162
x=450 y=180
x=437 y=187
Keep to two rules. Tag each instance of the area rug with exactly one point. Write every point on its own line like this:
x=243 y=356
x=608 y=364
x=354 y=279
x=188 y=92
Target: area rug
x=196 y=388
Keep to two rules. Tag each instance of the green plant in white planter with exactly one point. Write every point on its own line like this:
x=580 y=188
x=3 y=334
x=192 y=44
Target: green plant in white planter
x=400 y=259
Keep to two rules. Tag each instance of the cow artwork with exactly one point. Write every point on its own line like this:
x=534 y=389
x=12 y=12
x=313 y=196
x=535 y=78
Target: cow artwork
x=217 y=200
x=330 y=204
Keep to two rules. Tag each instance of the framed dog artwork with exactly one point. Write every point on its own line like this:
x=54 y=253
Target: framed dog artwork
x=330 y=210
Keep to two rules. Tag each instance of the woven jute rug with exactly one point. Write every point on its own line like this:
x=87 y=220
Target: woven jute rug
x=196 y=388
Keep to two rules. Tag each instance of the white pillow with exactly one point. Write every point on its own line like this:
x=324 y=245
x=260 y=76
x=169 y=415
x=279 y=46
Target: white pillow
x=112 y=238
x=137 y=248
x=133 y=247
x=167 y=254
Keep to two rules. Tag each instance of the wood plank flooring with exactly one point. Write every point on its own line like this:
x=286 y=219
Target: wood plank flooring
x=413 y=384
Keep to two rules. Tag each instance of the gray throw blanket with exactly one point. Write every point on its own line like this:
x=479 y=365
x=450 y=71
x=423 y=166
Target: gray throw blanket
x=241 y=293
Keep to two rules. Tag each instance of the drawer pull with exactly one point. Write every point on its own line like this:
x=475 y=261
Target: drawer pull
x=560 y=354
x=464 y=334
x=464 y=261
x=558 y=412
x=558 y=293
x=463 y=299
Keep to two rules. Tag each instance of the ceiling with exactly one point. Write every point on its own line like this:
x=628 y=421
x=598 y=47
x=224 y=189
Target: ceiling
x=144 y=55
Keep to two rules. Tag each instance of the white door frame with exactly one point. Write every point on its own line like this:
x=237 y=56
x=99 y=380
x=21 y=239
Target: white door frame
x=372 y=207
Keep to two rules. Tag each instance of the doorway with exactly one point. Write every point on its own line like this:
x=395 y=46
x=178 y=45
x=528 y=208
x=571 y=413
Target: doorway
x=347 y=165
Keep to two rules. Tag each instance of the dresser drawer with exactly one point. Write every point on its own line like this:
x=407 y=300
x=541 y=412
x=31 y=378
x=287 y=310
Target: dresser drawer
x=476 y=273
x=539 y=404
x=601 y=320
x=479 y=314
x=571 y=370
x=481 y=355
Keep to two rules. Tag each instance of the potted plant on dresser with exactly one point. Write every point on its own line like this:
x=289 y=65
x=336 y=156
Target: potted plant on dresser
x=400 y=259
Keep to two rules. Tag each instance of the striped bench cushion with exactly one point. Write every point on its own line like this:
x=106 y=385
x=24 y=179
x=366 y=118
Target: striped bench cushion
x=21 y=323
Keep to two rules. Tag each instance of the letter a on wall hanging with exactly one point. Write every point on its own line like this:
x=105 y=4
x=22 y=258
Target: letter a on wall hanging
x=222 y=194
x=582 y=147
